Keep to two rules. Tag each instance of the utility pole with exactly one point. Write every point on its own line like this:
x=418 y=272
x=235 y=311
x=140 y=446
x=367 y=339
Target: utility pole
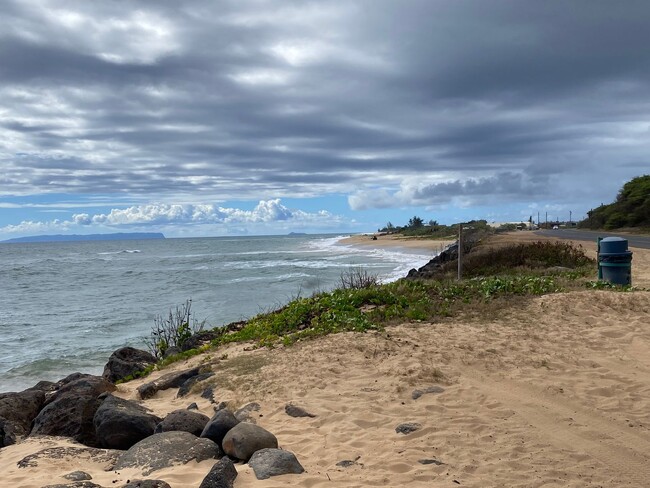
x=570 y=213
x=460 y=250
x=546 y=224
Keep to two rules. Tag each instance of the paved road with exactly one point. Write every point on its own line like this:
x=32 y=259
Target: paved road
x=588 y=235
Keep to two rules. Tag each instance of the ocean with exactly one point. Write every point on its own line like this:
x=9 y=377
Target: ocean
x=66 y=306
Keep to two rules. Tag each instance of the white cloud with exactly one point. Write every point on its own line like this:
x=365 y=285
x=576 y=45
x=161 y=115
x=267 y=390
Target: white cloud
x=267 y=212
x=31 y=227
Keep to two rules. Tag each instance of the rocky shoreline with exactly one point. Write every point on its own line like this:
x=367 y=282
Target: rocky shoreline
x=122 y=433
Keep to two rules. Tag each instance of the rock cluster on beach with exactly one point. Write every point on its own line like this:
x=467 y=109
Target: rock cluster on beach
x=432 y=268
x=125 y=434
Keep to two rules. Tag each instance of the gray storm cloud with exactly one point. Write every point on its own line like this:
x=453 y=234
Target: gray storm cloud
x=260 y=99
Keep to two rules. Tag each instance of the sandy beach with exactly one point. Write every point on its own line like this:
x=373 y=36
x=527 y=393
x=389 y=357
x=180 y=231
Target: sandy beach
x=552 y=391
x=386 y=241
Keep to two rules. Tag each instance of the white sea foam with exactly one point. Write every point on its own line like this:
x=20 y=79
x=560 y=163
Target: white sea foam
x=123 y=251
x=287 y=276
x=320 y=264
x=403 y=259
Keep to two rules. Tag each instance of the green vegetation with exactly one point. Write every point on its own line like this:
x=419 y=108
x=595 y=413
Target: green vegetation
x=631 y=208
x=365 y=309
x=417 y=228
x=515 y=270
x=493 y=275
x=173 y=331
x=525 y=258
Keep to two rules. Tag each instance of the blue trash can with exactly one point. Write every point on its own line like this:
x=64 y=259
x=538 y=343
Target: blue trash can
x=614 y=261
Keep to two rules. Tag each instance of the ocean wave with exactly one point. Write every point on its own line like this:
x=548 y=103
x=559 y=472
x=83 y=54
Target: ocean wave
x=122 y=251
x=321 y=264
x=289 y=276
x=282 y=277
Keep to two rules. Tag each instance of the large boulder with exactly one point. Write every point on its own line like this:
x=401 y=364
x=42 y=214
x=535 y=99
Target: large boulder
x=20 y=409
x=170 y=380
x=119 y=424
x=125 y=362
x=219 y=425
x=184 y=420
x=244 y=439
x=274 y=462
x=71 y=409
x=167 y=449
x=222 y=475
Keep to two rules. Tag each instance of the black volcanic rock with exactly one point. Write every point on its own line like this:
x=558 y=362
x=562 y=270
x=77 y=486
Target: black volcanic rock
x=187 y=386
x=432 y=268
x=244 y=439
x=219 y=425
x=20 y=409
x=147 y=484
x=7 y=432
x=70 y=410
x=222 y=475
x=125 y=362
x=170 y=380
x=119 y=423
x=183 y=420
x=167 y=449
x=274 y=462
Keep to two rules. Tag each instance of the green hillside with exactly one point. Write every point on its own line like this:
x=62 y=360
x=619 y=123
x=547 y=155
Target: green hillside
x=631 y=208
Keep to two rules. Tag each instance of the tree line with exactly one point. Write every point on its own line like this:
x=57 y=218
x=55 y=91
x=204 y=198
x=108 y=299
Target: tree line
x=416 y=226
x=631 y=208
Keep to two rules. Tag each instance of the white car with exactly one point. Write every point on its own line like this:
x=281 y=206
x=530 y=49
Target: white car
x=555 y=227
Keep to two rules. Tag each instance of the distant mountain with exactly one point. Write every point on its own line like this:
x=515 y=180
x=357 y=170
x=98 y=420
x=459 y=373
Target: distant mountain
x=118 y=236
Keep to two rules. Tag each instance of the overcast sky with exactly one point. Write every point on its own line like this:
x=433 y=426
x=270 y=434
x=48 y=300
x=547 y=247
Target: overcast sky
x=254 y=116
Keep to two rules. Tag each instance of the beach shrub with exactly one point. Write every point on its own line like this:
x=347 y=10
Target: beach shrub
x=357 y=278
x=523 y=258
x=174 y=330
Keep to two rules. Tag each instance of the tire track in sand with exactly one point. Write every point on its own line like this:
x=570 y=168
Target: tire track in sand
x=570 y=425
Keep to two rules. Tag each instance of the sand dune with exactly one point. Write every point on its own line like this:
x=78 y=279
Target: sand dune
x=548 y=392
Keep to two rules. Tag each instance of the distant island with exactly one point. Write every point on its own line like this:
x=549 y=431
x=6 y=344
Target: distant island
x=118 y=236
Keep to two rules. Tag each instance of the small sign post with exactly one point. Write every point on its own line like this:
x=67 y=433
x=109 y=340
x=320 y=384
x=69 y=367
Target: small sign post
x=460 y=251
